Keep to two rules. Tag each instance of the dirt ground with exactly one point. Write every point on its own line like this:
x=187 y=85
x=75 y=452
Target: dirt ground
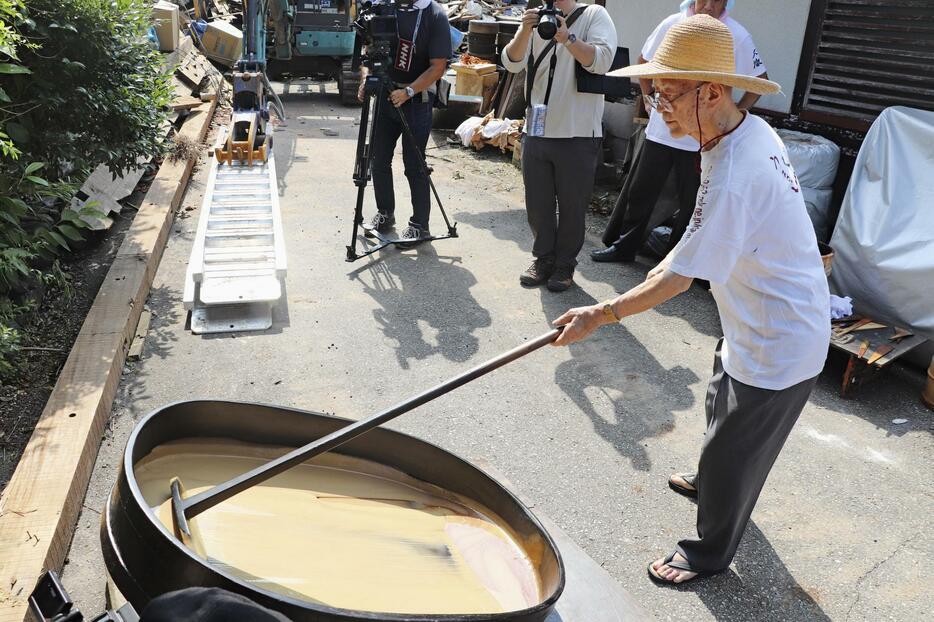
x=52 y=331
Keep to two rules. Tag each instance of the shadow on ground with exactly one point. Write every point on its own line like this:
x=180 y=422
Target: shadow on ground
x=406 y=284
x=614 y=373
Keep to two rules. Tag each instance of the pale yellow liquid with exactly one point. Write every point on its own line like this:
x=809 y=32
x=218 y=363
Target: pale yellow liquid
x=347 y=533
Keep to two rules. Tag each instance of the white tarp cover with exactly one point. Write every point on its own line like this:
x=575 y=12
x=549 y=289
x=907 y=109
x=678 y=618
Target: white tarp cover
x=884 y=238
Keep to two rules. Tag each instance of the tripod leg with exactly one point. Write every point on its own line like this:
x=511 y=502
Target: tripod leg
x=360 y=174
x=422 y=162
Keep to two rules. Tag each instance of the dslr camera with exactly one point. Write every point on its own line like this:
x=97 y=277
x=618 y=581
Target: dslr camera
x=548 y=24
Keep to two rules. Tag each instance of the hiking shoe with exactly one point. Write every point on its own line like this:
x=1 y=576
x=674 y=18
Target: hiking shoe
x=561 y=279
x=381 y=223
x=537 y=273
x=413 y=235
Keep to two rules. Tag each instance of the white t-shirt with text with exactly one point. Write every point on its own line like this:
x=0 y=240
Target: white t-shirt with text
x=747 y=59
x=751 y=237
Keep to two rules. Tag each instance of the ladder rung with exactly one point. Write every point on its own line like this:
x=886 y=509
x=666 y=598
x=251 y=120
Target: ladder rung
x=254 y=251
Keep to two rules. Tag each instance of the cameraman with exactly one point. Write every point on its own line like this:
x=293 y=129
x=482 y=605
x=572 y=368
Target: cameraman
x=559 y=164
x=425 y=34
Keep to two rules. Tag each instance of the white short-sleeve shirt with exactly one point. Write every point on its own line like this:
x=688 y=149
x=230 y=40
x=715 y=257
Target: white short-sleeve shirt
x=751 y=237
x=748 y=63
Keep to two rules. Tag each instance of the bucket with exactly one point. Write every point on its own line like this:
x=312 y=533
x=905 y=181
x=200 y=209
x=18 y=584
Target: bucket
x=826 y=256
x=927 y=396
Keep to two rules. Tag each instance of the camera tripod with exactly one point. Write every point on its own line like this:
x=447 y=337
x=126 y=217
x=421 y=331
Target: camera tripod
x=376 y=95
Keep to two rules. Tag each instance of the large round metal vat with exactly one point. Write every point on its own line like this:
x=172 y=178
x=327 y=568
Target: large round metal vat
x=146 y=560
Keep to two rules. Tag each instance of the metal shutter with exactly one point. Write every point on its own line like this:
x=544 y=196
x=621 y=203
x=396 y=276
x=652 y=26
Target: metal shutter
x=862 y=56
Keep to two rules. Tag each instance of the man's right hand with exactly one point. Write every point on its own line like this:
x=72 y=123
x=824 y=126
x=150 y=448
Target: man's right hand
x=530 y=20
x=361 y=89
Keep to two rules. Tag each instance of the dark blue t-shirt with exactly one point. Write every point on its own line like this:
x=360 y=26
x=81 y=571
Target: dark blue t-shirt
x=433 y=40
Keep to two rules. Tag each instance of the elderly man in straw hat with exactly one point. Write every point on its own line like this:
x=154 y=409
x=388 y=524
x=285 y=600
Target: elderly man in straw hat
x=751 y=238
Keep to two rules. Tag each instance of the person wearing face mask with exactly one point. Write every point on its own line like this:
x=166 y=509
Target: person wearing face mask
x=662 y=152
x=750 y=236
x=421 y=56
x=561 y=144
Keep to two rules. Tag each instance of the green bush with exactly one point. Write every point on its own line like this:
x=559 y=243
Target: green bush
x=80 y=86
x=96 y=90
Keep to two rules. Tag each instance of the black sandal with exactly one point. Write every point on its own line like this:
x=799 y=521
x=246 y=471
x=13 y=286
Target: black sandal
x=689 y=478
x=670 y=561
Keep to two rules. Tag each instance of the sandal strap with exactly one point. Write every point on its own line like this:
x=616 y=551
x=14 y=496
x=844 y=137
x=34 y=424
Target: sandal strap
x=680 y=565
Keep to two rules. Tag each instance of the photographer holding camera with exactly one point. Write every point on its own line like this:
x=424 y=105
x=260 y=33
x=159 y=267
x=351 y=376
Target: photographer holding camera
x=563 y=129
x=420 y=59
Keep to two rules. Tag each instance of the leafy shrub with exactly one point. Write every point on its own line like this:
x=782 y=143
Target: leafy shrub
x=96 y=90
x=80 y=86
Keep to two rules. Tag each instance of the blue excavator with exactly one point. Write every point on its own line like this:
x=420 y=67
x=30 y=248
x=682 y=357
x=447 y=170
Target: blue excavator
x=314 y=38
x=298 y=38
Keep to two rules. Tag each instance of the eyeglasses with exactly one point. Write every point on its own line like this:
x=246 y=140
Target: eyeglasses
x=662 y=104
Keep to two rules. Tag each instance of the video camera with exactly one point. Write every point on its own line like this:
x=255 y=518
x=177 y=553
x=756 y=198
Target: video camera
x=377 y=30
x=548 y=25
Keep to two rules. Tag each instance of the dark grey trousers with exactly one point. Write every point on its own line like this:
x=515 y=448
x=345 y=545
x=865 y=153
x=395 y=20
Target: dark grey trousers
x=558 y=175
x=746 y=429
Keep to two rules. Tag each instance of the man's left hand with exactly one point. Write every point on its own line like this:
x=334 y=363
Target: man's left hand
x=562 y=35
x=398 y=97
x=578 y=323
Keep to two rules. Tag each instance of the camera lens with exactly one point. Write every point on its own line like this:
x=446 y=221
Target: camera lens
x=547 y=28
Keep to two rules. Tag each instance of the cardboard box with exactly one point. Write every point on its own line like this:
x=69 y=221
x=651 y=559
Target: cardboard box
x=223 y=42
x=165 y=18
x=477 y=70
x=476 y=85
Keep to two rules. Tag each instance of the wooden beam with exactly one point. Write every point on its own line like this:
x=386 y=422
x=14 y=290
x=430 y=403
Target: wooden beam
x=142 y=327
x=40 y=505
x=186 y=103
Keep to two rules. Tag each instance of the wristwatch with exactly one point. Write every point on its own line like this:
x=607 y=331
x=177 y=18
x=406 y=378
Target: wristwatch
x=410 y=92
x=571 y=39
x=610 y=313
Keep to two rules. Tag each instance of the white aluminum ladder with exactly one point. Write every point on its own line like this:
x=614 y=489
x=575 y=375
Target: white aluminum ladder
x=237 y=267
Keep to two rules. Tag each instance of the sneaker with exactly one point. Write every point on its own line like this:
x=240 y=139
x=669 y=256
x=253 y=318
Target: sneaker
x=381 y=223
x=413 y=235
x=537 y=273
x=561 y=279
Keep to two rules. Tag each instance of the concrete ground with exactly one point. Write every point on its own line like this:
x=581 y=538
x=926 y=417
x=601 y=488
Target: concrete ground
x=588 y=434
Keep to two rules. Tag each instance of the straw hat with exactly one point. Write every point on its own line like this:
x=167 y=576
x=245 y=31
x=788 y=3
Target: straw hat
x=698 y=48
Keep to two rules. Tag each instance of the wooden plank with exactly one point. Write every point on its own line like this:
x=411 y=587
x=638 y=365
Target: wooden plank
x=46 y=492
x=186 y=103
x=139 y=339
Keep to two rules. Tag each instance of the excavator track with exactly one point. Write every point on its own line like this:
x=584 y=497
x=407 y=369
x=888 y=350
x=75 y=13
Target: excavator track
x=348 y=82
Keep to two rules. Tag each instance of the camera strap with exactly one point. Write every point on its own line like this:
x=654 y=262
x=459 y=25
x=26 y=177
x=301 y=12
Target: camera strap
x=534 y=64
x=405 y=50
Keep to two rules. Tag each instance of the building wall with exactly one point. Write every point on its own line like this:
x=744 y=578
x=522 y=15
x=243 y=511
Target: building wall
x=776 y=27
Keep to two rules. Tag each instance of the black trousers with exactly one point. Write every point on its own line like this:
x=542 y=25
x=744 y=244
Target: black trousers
x=558 y=174
x=650 y=172
x=385 y=136
x=746 y=429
